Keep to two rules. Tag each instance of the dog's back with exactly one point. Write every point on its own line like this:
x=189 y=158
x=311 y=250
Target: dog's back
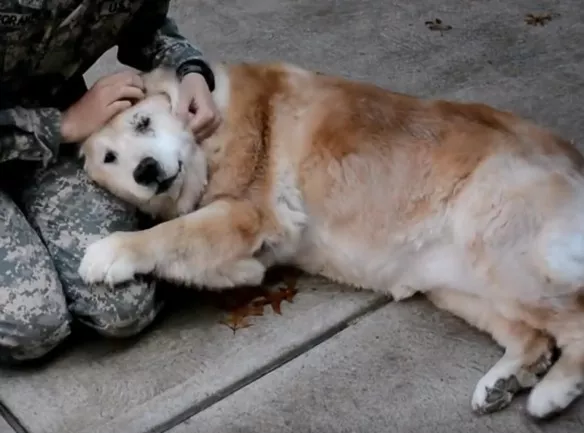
x=398 y=190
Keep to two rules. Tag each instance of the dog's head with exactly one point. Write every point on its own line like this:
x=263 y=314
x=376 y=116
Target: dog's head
x=146 y=156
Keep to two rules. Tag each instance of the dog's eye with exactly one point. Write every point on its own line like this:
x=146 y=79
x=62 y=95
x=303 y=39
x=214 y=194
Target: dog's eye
x=109 y=157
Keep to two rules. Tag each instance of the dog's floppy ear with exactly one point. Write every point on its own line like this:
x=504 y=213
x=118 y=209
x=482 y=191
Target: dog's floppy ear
x=162 y=81
x=86 y=149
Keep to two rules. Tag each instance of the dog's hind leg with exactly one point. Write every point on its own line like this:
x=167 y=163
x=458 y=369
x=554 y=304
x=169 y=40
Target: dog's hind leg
x=561 y=260
x=212 y=247
x=528 y=352
x=564 y=383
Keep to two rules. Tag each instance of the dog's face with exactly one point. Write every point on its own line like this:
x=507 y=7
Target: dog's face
x=141 y=153
x=144 y=153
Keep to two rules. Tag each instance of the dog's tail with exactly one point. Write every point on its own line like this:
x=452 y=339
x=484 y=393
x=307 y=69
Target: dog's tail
x=162 y=81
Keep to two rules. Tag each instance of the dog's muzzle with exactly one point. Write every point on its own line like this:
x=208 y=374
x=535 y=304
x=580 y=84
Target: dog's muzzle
x=149 y=173
x=165 y=185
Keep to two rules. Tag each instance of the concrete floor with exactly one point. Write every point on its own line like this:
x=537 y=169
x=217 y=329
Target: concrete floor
x=336 y=360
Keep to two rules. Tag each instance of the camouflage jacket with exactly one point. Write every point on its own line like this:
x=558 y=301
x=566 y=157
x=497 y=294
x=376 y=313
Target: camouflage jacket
x=47 y=45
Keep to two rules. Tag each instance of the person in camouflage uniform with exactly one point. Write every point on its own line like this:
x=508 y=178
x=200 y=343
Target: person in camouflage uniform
x=49 y=210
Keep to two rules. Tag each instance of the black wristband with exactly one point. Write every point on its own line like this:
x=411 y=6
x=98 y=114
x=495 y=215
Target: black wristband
x=199 y=67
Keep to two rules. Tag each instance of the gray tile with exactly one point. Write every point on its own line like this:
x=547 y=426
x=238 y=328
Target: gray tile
x=405 y=368
x=189 y=358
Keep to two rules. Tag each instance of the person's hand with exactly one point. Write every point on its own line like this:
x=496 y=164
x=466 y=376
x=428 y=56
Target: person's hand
x=107 y=97
x=196 y=106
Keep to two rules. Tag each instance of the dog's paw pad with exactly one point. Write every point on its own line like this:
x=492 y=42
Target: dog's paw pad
x=107 y=261
x=488 y=400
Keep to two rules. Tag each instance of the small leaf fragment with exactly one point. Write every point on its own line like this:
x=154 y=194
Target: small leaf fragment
x=284 y=294
x=241 y=306
x=436 y=25
x=538 y=19
x=235 y=322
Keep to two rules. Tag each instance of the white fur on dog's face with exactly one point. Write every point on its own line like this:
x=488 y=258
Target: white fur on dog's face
x=146 y=135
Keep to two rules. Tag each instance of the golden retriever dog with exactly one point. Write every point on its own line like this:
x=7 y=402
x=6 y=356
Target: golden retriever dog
x=476 y=208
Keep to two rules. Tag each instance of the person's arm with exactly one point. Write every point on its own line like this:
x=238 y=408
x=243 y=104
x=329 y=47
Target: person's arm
x=152 y=40
x=30 y=134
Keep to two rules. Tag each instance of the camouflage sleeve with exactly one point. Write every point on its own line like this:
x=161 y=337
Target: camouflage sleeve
x=152 y=39
x=30 y=134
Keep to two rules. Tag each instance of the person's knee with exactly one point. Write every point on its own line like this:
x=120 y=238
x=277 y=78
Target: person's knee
x=87 y=212
x=25 y=340
x=33 y=311
x=119 y=312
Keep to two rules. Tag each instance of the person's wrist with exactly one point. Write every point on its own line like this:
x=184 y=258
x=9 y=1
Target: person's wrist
x=67 y=130
x=199 y=67
x=195 y=77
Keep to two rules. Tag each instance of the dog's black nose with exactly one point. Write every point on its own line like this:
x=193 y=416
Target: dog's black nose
x=147 y=172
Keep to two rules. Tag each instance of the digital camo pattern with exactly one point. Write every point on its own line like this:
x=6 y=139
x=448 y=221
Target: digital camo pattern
x=42 y=124
x=33 y=314
x=37 y=276
x=46 y=47
x=70 y=212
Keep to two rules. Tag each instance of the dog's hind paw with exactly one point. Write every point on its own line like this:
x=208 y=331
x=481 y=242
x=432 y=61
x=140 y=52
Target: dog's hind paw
x=554 y=394
x=493 y=399
x=496 y=389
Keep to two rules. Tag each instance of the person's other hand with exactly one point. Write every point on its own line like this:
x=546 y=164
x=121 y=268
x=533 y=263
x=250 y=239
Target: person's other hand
x=196 y=106
x=107 y=97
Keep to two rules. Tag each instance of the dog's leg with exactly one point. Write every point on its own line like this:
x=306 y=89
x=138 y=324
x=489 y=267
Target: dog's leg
x=528 y=352
x=212 y=247
x=561 y=252
x=564 y=383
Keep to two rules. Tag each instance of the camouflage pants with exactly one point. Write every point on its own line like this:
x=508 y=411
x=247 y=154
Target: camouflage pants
x=41 y=245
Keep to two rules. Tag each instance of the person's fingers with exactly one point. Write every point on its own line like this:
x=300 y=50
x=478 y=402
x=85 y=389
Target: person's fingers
x=190 y=117
x=211 y=128
x=138 y=81
x=203 y=117
x=201 y=132
x=218 y=121
x=183 y=109
x=125 y=92
x=203 y=135
x=117 y=107
x=119 y=77
x=131 y=79
x=208 y=129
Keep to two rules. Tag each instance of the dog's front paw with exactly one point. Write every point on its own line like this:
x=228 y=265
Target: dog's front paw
x=110 y=260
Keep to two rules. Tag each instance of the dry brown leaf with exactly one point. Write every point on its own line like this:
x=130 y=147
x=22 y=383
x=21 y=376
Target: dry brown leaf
x=245 y=303
x=437 y=25
x=538 y=19
x=276 y=303
x=239 y=317
x=235 y=322
x=252 y=310
x=285 y=294
x=232 y=300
